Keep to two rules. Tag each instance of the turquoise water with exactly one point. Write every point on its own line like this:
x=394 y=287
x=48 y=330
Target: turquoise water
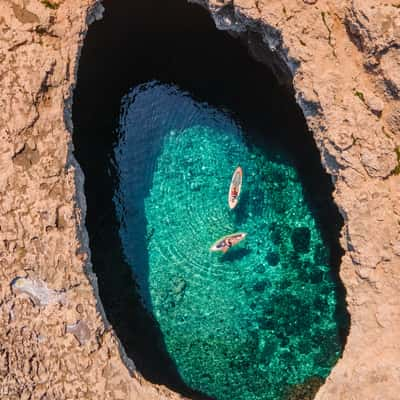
x=261 y=318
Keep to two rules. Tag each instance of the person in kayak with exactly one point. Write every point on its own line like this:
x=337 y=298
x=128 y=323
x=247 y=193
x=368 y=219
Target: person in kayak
x=234 y=193
x=225 y=245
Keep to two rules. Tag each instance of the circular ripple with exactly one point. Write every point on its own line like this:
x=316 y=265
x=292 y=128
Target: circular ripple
x=252 y=322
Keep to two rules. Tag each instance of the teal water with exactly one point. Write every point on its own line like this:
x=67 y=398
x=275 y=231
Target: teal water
x=253 y=322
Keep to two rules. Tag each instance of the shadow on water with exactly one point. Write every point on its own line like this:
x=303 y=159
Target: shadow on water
x=241 y=210
x=174 y=42
x=235 y=254
x=140 y=181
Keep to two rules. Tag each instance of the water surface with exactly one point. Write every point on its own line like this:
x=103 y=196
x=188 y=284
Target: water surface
x=253 y=322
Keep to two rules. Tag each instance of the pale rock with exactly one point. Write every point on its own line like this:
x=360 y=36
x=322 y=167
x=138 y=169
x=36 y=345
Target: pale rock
x=37 y=291
x=80 y=330
x=375 y=104
x=390 y=65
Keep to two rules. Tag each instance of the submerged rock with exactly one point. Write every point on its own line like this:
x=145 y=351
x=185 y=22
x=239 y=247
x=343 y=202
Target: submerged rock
x=275 y=234
x=260 y=286
x=306 y=390
x=273 y=258
x=301 y=239
x=179 y=287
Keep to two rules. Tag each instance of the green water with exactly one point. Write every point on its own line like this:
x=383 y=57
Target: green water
x=249 y=324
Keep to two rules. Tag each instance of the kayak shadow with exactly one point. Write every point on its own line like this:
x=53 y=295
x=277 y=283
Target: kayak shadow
x=235 y=254
x=241 y=212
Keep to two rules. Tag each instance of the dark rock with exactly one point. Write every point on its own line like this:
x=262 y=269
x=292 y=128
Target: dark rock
x=260 y=286
x=317 y=276
x=306 y=390
x=265 y=323
x=275 y=234
x=301 y=239
x=273 y=258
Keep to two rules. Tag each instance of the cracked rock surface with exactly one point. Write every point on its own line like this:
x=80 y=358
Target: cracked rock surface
x=342 y=58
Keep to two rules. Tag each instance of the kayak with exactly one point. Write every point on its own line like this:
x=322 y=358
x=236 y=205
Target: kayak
x=223 y=245
x=235 y=188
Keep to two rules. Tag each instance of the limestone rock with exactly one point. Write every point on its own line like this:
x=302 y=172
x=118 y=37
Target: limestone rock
x=80 y=330
x=393 y=120
x=37 y=291
x=390 y=65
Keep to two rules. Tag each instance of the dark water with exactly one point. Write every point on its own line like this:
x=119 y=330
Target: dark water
x=163 y=154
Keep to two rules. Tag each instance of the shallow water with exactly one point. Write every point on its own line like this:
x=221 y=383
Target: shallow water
x=247 y=324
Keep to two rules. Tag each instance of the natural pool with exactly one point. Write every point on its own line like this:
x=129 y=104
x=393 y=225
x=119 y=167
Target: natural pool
x=261 y=318
x=136 y=138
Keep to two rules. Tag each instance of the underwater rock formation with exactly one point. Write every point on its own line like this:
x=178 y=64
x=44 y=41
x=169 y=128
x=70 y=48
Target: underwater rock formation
x=341 y=59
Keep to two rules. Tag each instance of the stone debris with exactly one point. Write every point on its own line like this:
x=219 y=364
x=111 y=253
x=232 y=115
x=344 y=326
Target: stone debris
x=80 y=330
x=390 y=65
x=393 y=120
x=375 y=104
x=37 y=291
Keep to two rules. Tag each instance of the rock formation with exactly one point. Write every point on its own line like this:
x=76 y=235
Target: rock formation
x=342 y=61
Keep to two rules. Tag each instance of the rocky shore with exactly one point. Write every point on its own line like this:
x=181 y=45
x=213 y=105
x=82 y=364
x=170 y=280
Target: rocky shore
x=342 y=61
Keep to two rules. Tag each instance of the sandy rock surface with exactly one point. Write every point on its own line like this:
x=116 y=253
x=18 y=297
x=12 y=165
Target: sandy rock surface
x=54 y=343
x=344 y=59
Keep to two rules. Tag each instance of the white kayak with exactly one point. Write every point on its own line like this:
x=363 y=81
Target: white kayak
x=235 y=188
x=225 y=243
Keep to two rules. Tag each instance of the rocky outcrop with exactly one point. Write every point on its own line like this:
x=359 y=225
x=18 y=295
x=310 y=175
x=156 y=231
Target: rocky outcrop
x=341 y=59
x=344 y=64
x=54 y=340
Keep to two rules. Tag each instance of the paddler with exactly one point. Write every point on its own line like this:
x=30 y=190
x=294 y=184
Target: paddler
x=225 y=245
x=234 y=193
